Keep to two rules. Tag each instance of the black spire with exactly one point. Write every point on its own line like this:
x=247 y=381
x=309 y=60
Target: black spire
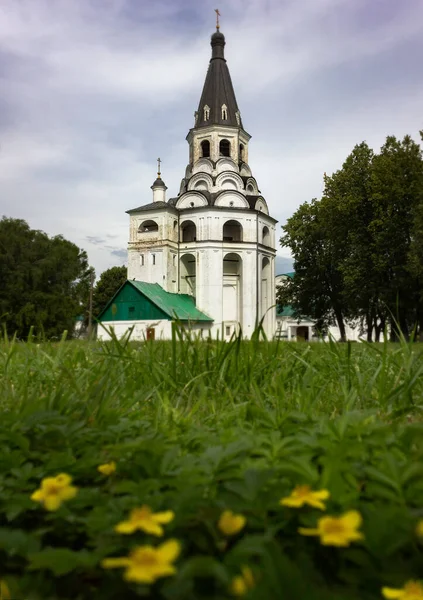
x=218 y=91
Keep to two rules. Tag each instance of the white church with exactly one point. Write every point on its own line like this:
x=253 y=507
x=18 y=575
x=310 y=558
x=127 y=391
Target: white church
x=205 y=257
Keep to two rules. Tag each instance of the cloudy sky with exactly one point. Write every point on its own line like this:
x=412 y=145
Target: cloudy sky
x=92 y=91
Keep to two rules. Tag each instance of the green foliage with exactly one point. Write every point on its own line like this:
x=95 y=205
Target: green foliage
x=358 y=251
x=106 y=287
x=44 y=281
x=197 y=428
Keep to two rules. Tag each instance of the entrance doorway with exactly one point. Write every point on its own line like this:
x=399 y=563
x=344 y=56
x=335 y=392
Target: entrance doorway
x=151 y=333
x=302 y=334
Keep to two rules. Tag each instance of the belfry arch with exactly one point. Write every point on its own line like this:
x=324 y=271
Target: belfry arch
x=188 y=231
x=187 y=274
x=232 y=231
x=232 y=293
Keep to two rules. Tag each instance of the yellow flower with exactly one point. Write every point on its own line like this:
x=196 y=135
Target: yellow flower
x=419 y=528
x=229 y=523
x=145 y=520
x=413 y=590
x=303 y=494
x=54 y=491
x=145 y=564
x=4 y=591
x=337 y=531
x=242 y=583
x=108 y=468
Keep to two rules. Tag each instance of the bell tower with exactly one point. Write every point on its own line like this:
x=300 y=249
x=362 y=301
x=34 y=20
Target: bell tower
x=215 y=240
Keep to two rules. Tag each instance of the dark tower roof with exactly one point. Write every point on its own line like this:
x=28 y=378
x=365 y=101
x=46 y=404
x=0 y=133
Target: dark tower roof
x=218 y=89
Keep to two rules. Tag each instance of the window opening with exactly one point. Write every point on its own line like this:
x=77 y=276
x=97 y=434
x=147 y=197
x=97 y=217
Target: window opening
x=224 y=112
x=148 y=227
x=206 y=112
x=225 y=148
x=205 y=148
x=154 y=259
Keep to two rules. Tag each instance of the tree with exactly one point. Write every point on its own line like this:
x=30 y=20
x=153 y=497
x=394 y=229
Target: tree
x=397 y=195
x=107 y=286
x=350 y=211
x=316 y=288
x=43 y=280
x=358 y=252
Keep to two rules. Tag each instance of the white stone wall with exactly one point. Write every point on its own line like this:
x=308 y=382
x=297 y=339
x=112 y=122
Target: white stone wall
x=162 y=329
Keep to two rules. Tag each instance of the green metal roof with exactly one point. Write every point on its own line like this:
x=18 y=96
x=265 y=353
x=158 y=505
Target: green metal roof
x=287 y=311
x=180 y=306
x=290 y=275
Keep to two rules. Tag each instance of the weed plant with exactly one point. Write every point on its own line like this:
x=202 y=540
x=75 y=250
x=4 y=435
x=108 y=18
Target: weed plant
x=198 y=428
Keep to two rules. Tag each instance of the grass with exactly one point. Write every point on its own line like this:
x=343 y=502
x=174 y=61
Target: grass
x=199 y=427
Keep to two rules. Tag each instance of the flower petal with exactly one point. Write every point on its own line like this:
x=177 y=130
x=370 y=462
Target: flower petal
x=315 y=503
x=248 y=576
x=164 y=517
x=140 y=574
x=321 y=494
x=37 y=496
x=149 y=526
x=126 y=527
x=68 y=492
x=292 y=502
x=307 y=531
x=169 y=551
x=419 y=528
x=392 y=593
x=52 y=502
x=4 y=591
x=340 y=540
x=352 y=519
x=113 y=563
x=238 y=586
x=63 y=479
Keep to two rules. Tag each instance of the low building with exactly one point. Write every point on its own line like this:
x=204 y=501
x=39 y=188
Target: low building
x=148 y=310
x=293 y=328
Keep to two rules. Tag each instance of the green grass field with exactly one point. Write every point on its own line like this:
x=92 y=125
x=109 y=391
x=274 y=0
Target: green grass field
x=199 y=428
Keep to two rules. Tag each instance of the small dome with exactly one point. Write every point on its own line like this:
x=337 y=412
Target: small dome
x=158 y=183
x=217 y=38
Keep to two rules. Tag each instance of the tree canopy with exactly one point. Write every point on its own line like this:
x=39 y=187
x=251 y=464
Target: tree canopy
x=107 y=286
x=44 y=280
x=358 y=251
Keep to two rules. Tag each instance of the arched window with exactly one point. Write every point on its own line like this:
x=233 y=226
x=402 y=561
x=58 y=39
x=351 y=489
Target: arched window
x=205 y=149
x=225 y=148
x=224 y=112
x=241 y=152
x=187 y=274
x=250 y=189
x=188 y=232
x=148 y=227
x=265 y=237
x=206 y=112
x=232 y=231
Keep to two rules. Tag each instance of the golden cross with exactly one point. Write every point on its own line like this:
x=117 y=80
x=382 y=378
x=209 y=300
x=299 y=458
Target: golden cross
x=217 y=18
x=158 y=166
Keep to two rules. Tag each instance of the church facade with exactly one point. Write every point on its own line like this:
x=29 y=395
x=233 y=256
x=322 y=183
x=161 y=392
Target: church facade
x=215 y=240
